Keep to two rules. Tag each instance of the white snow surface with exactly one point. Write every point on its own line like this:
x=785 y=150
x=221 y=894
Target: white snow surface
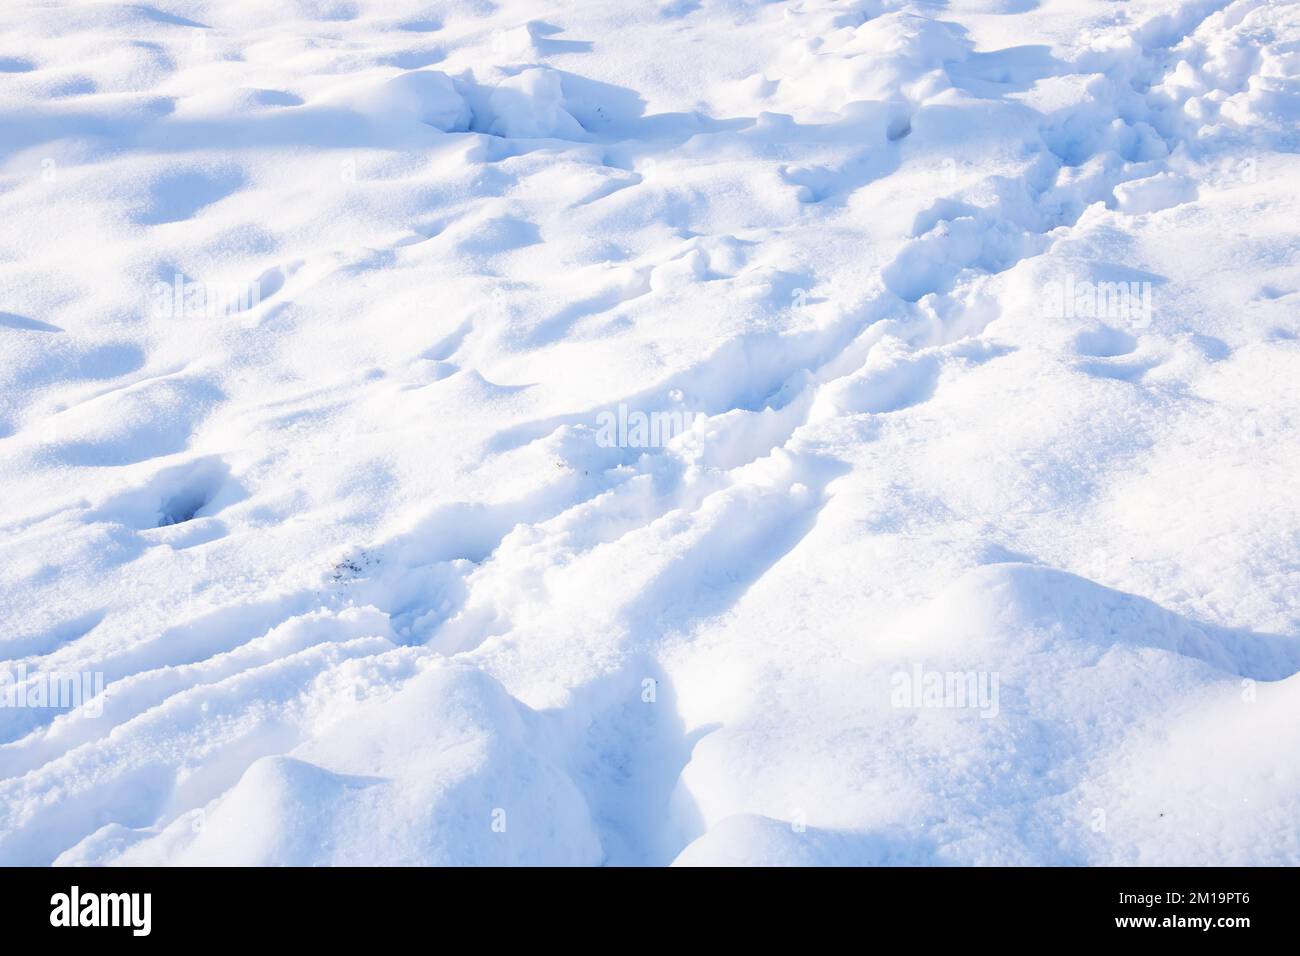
x=365 y=584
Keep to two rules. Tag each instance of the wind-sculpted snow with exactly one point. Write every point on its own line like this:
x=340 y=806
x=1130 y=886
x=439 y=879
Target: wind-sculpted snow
x=714 y=433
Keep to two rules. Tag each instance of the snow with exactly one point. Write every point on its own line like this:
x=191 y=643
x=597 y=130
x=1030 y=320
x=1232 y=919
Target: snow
x=948 y=515
x=530 y=105
x=417 y=96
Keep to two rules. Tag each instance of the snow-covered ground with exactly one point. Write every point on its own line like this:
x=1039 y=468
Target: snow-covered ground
x=701 y=431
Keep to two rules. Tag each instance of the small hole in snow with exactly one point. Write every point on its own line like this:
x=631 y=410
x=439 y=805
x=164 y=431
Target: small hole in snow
x=182 y=507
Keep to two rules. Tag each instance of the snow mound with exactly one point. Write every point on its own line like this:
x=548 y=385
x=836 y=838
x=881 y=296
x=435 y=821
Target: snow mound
x=1154 y=193
x=1020 y=693
x=894 y=57
x=443 y=772
x=1033 y=609
x=530 y=105
x=423 y=96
